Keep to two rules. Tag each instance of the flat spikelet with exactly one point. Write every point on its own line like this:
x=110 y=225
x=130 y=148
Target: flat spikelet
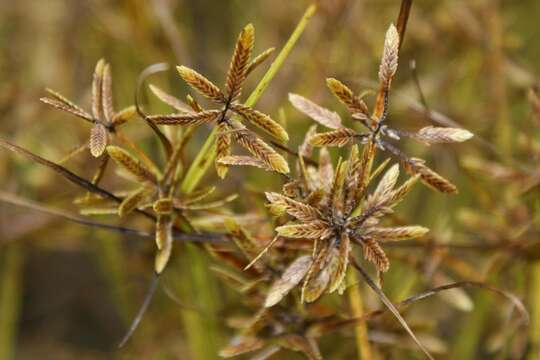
x=262 y=121
x=436 y=135
x=297 y=209
x=258 y=60
x=430 y=177
x=374 y=253
x=261 y=151
x=323 y=116
x=290 y=278
x=311 y=230
x=389 y=61
x=238 y=68
x=186 y=118
x=131 y=164
x=339 y=138
x=98 y=139
x=397 y=233
x=242 y=160
x=201 y=84
x=345 y=95
x=223 y=149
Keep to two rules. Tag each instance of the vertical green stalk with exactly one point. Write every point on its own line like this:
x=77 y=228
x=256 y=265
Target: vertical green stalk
x=203 y=330
x=10 y=298
x=357 y=307
x=534 y=303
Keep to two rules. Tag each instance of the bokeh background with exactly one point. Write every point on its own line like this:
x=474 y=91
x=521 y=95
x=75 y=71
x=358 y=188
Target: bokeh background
x=69 y=292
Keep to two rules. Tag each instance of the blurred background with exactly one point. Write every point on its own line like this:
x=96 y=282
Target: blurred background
x=68 y=292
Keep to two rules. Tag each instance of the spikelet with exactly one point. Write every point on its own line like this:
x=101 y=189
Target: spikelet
x=258 y=60
x=186 y=118
x=128 y=162
x=240 y=160
x=97 y=109
x=291 y=277
x=339 y=138
x=396 y=233
x=342 y=262
x=436 y=135
x=59 y=97
x=170 y=100
x=106 y=94
x=429 y=177
x=297 y=209
x=261 y=151
x=242 y=239
x=238 y=68
x=374 y=253
x=345 y=95
x=163 y=242
x=133 y=201
x=60 y=105
x=312 y=230
x=262 y=121
x=98 y=139
x=317 y=278
x=323 y=116
x=389 y=61
x=201 y=84
x=124 y=115
x=223 y=148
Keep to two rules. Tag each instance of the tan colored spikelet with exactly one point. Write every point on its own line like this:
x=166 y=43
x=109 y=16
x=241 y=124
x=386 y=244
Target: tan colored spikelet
x=60 y=105
x=163 y=206
x=133 y=201
x=323 y=116
x=201 y=84
x=258 y=60
x=389 y=61
x=128 y=162
x=97 y=109
x=124 y=115
x=238 y=68
x=374 y=253
x=336 y=194
x=326 y=170
x=345 y=95
x=262 y=121
x=193 y=104
x=98 y=139
x=313 y=230
x=169 y=99
x=223 y=148
x=297 y=209
x=339 y=138
x=261 y=151
x=290 y=278
x=436 y=135
x=186 y=118
x=396 y=233
x=338 y=274
x=317 y=278
x=399 y=193
x=363 y=170
x=240 y=160
x=387 y=182
x=66 y=101
x=164 y=242
x=242 y=239
x=306 y=149
x=106 y=94
x=242 y=345
x=429 y=177
x=263 y=251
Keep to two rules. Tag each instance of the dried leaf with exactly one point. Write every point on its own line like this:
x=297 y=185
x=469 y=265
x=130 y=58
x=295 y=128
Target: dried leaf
x=291 y=277
x=322 y=115
x=201 y=84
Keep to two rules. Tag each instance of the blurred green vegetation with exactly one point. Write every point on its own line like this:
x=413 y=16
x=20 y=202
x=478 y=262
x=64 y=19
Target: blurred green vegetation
x=69 y=292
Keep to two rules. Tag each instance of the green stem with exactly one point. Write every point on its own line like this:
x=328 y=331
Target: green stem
x=10 y=299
